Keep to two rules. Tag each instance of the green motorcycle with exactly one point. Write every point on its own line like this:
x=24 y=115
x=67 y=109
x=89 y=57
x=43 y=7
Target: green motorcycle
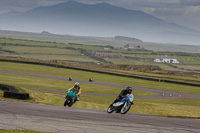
x=70 y=98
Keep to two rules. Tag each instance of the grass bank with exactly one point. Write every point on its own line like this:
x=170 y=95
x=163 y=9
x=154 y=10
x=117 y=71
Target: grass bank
x=83 y=75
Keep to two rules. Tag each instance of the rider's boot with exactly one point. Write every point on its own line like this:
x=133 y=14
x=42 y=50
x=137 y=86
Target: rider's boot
x=77 y=99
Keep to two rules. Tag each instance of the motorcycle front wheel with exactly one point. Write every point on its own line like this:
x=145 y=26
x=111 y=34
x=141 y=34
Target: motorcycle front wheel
x=125 y=108
x=65 y=103
x=70 y=102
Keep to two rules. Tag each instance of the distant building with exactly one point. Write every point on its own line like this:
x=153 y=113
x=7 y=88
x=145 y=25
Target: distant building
x=127 y=47
x=166 y=59
x=108 y=55
x=107 y=47
x=140 y=48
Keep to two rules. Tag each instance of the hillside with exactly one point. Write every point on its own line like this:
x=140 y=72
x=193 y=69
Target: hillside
x=128 y=39
x=101 y=19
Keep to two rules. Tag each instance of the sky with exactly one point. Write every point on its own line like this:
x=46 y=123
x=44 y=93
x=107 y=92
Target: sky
x=182 y=12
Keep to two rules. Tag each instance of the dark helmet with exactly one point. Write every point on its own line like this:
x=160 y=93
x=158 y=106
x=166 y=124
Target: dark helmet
x=129 y=89
x=76 y=85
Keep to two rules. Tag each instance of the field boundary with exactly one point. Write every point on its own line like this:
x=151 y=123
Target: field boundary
x=98 y=71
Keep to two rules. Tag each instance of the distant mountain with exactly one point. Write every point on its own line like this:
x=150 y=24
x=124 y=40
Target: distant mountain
x=101 y=19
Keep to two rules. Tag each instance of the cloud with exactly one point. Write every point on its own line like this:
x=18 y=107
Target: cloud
x=190 y=2
x=190 y=17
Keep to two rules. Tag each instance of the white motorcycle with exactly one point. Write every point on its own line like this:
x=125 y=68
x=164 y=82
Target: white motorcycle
x=122 y=106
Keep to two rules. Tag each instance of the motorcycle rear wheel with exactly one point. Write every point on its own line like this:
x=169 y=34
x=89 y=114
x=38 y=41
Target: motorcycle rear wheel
x=109 y=110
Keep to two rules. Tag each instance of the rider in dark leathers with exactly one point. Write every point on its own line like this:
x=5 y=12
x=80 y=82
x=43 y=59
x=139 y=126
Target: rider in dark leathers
x=123 y=93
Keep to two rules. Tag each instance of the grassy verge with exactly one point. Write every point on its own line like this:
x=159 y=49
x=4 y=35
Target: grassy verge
x=166 y=110
x=43 y=83
x=190 y=102
x=83 y=75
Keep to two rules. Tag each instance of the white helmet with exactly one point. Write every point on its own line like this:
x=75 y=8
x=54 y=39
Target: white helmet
x=76 y=84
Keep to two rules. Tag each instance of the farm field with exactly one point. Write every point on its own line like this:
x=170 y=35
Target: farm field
x=48 y=54
x=100 y=41
x=84 y=54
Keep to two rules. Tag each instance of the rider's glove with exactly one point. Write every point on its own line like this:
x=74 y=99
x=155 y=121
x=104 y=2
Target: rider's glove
x=122 y=96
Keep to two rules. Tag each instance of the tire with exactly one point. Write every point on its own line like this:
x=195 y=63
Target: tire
x=65 y=103
x=70 y=103
x=109 y=110
x=125 y=108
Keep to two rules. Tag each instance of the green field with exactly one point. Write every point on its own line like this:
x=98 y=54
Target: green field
x=61 y=51
x=98 y=41
x=47 y=53
x=84 y=54
x=160 y=107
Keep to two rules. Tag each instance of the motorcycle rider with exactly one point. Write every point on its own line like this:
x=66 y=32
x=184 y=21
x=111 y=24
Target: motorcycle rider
x=123 y=93
x=70 y=78
x=76 y=88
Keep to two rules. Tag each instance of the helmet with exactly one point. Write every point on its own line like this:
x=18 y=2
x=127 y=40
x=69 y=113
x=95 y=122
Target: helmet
x=129 y=89
x=76 y=84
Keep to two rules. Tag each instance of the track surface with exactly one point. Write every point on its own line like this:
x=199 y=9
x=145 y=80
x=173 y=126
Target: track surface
x=20 y=115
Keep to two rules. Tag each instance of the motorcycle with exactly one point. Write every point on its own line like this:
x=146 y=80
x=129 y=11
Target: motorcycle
x=69 y=79
x=70 y=98
x=122 y=106
x=90 y=80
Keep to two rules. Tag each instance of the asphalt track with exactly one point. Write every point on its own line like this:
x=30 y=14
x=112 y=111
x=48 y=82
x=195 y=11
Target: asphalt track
x=21 y=115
